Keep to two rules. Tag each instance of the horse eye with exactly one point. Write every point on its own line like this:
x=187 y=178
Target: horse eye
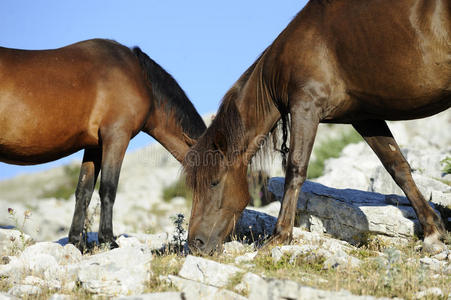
x=214 y=183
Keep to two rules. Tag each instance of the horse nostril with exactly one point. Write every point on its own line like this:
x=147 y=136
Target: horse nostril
x=199 y=243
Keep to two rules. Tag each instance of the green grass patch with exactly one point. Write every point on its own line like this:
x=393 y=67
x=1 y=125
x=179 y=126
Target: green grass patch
x=234 y=281
x=400 y=275
x=446 y=163
x=330 y=149
x=177 y=189
x=163 y=266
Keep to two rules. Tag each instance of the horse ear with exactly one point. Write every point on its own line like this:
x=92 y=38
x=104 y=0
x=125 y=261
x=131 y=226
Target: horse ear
x=189 y=141
x=220 y=142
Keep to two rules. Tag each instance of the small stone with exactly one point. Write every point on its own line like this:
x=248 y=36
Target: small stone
x=32 y=280
x=131 y=241
x=431 y=263
x=22 y=291
x=447 y=270
x=155 y=296
x=194 y=290
x=306 y=236
x=233 y=247
x=207 y=271
x=60 y=297
x=14 y=271
x=340 y=262
x=52 y=285
x=276 y=254
x=69 y=285
x=248 y=282
x=429 y=292
x=154 y=241
x=442 y=256
x=41 y=263
x=5 y=296
x=45 y=248
x=71 y=255
x=247 y=257
x=293 y=250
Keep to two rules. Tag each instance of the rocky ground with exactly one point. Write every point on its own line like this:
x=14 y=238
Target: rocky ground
x=355 y=243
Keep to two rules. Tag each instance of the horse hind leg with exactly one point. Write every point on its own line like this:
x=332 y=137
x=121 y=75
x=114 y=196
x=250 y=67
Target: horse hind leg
x=114 y=145
x=89 y=171
x=378 y=136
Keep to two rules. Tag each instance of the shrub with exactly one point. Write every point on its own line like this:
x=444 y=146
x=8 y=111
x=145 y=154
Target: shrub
x=446 y=165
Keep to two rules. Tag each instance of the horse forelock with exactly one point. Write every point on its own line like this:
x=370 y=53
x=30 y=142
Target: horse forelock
x=219 y=146
x=205 y=159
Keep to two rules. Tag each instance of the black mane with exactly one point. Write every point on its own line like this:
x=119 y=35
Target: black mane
x=170 y=95
x=227 y=129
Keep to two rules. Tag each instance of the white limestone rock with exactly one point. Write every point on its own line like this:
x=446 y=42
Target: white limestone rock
x=13 y=241
x=23 y=291
x=207 y=271
x=121 y=271
x=351 y=214
x=286 y=289
x=194 y=290
x=155 y=296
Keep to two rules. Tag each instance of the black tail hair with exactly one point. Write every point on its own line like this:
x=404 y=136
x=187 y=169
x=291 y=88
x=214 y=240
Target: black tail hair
x=165 y=88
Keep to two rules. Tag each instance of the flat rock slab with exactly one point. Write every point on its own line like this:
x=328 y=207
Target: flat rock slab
x=351 y=214
x=286 y=289
x=155 y=296
x=193 y=290
x=121 y=271
x=254 y=226
x=207 y=271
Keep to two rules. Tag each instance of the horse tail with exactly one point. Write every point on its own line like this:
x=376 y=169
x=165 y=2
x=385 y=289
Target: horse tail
x=165 y=88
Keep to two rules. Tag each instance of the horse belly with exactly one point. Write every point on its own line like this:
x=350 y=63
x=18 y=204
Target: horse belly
x=394 y=66
x=402 y=109
x=28 y=136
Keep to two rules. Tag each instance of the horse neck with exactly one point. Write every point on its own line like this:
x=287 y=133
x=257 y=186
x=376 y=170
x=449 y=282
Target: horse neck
x=258 y=125
x=172 y=119
x=257 y=114
x=176 y=132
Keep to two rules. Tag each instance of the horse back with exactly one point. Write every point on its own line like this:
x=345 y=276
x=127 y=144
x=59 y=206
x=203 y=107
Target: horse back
x=53 y=102
x=375 y=58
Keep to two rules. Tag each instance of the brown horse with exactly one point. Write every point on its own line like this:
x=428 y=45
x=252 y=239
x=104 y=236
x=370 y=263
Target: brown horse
x=94 y=95
x=357 y=62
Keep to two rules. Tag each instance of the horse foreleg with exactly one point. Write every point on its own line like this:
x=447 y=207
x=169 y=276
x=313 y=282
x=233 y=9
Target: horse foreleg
x=304 y=124
x=378 y=136
x=90 y=168
x=114 y=144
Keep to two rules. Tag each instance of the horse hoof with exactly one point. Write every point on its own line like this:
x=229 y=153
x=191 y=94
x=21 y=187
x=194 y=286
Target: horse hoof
x=113 y=245
x=433 y=245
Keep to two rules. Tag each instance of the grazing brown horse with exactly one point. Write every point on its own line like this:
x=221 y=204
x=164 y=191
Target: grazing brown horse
x=94 y=95
x=357 y=62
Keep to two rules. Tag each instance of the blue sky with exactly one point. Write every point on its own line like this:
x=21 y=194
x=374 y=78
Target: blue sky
x=205 y=45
